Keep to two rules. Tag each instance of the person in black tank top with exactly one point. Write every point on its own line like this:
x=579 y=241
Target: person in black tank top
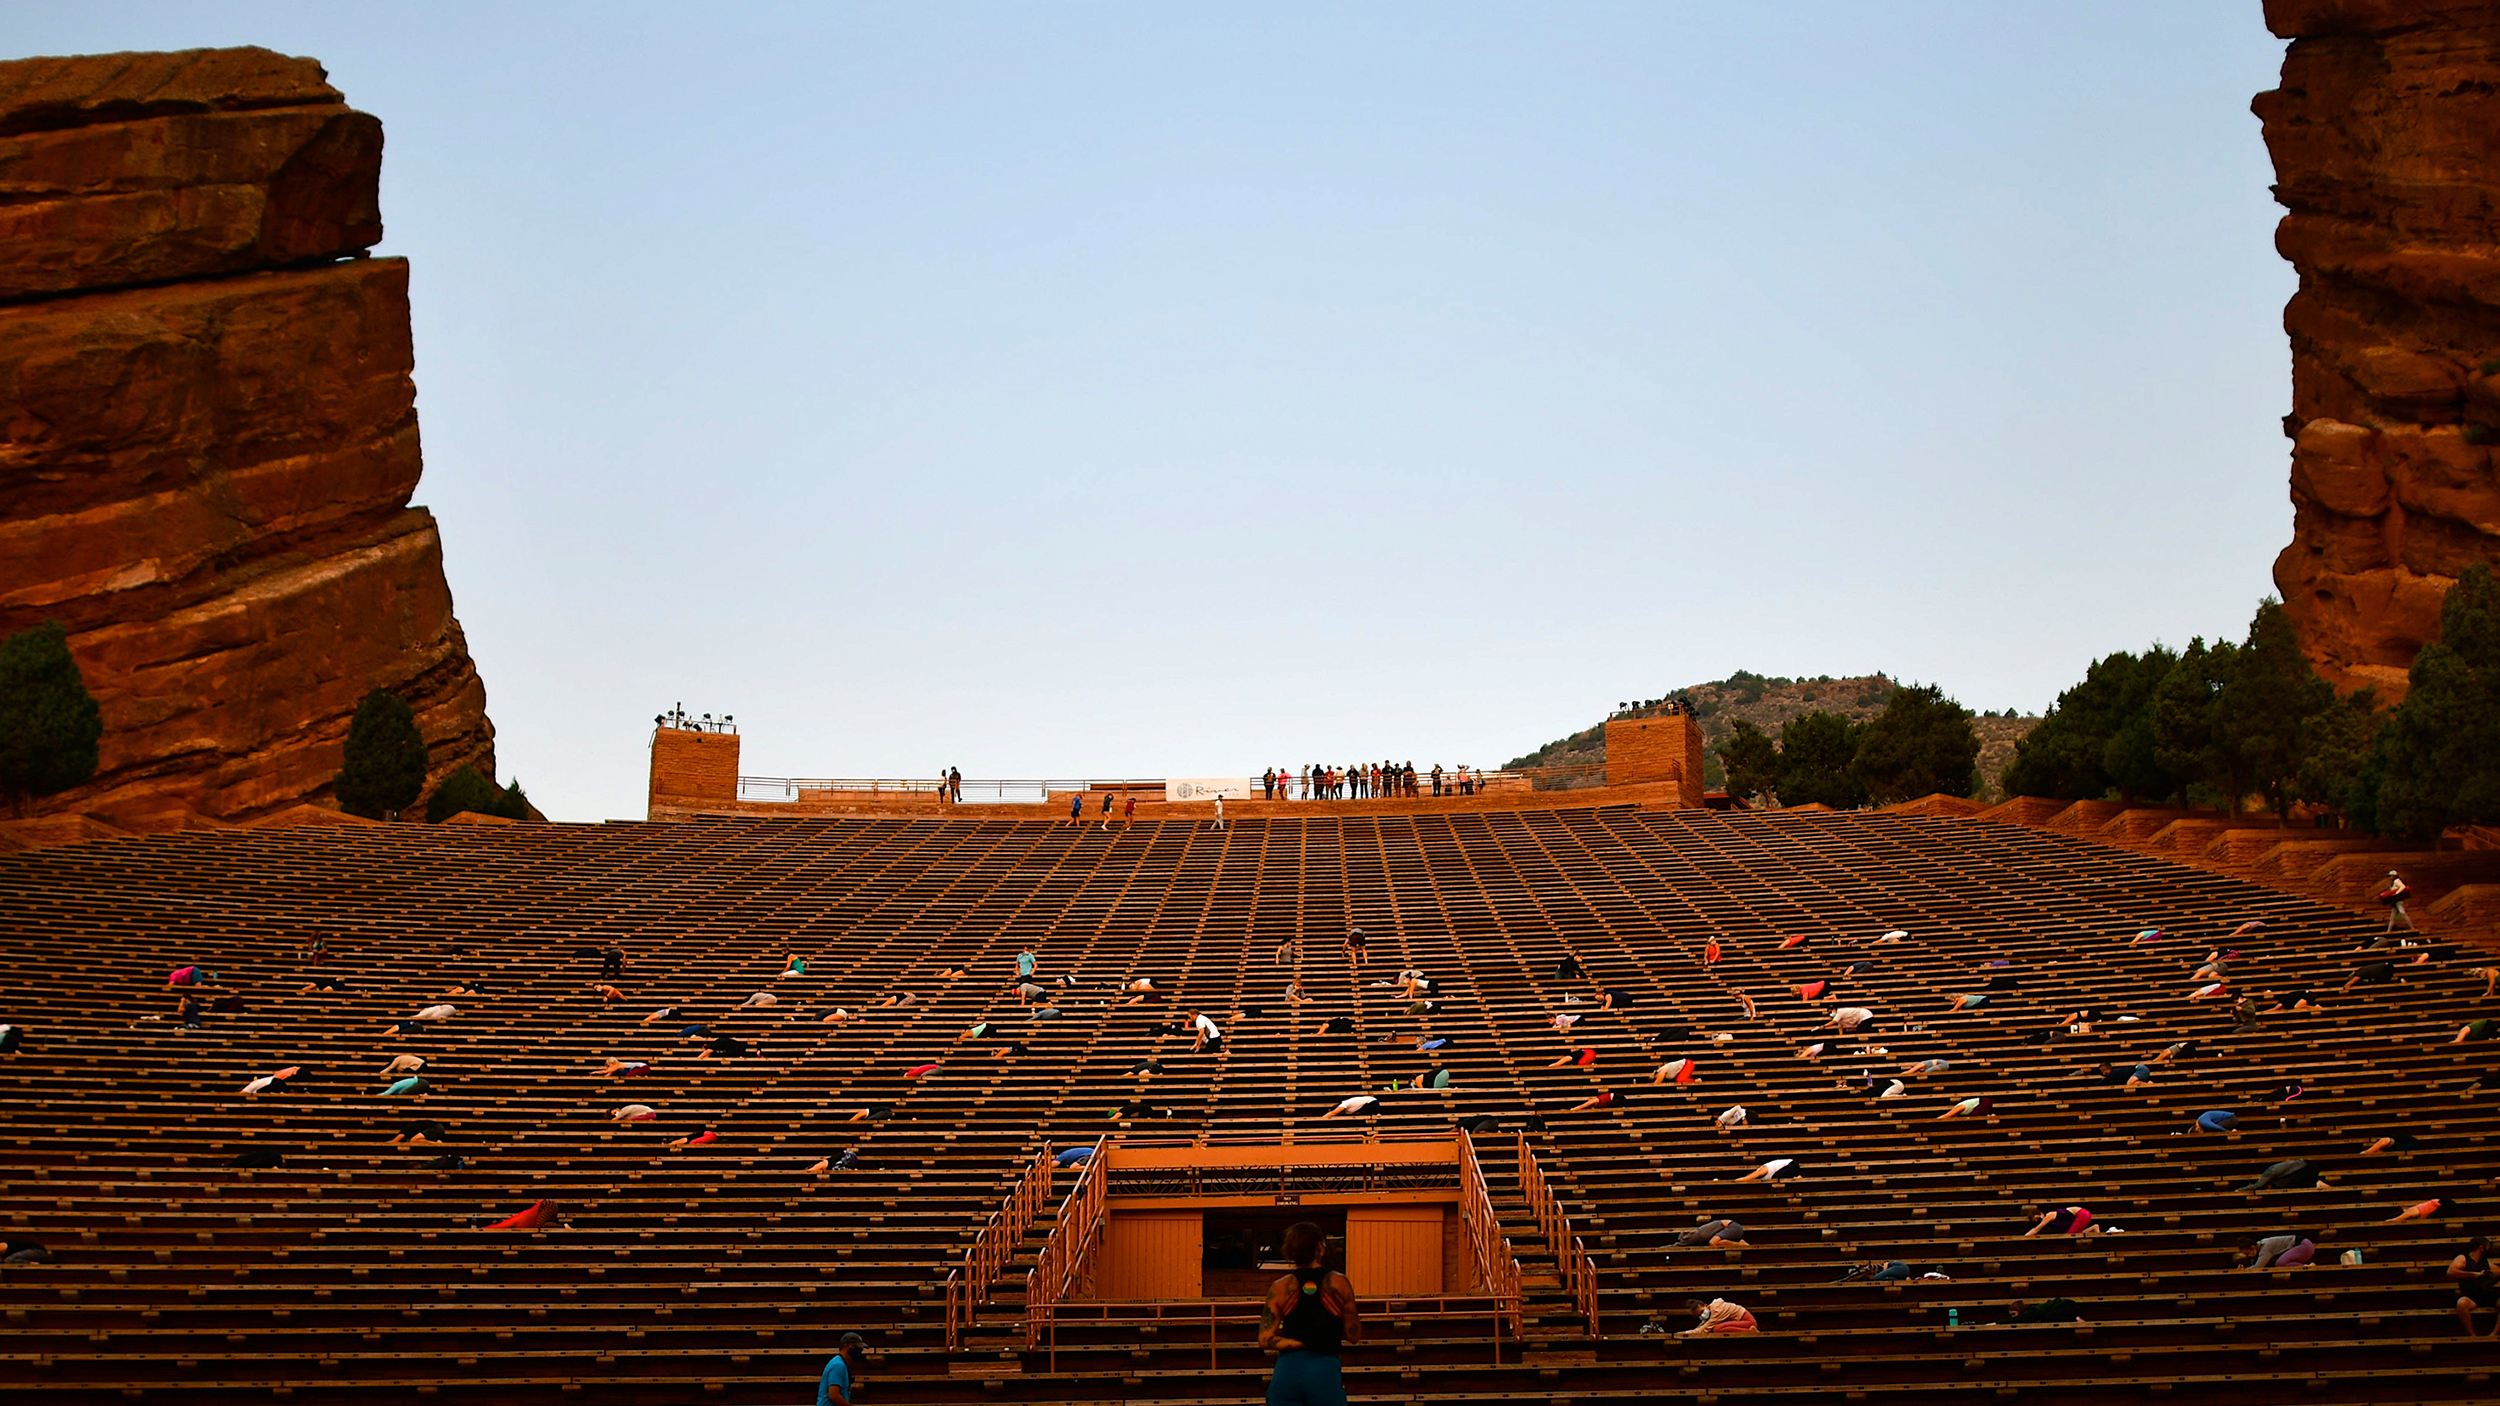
x=1309 y=1316
x=1310 y=1321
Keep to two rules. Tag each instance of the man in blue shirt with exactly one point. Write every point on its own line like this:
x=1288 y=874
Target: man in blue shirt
x=841 y=1374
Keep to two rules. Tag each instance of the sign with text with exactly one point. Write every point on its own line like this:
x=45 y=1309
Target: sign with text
x=1207 y=788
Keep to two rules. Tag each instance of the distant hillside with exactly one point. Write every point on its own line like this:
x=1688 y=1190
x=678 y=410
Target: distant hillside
x=1769 y=702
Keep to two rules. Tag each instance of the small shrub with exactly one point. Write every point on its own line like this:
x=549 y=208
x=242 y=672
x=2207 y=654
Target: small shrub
x=383 y=769
x=465 y=789
x=49 y=723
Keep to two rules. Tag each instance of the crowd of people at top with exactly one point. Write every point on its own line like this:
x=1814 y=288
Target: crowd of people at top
x=1364 y=781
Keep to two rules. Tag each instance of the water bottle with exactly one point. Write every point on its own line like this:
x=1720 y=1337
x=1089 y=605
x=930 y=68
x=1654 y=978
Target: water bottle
x=1953 y=1318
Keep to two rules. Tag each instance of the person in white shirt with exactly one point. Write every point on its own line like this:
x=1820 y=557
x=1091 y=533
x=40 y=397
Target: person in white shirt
x=1849 y=1018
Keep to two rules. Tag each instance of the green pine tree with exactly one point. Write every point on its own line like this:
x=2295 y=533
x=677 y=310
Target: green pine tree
x=2441 y=754
x=513 y=804
x=2337 y=750
x=463 y=790
x=49 y=723
x=1752 y=760
x=2060 y=758
x=2132 y=756
x=2098 y=737
x=2263 y=712
x=1818 y=755
x=1921 y=744
x=383 y=769
x=2188 y=738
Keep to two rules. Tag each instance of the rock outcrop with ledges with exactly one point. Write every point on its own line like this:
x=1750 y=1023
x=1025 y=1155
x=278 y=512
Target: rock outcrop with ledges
x=2385 y=135
x=208 y=431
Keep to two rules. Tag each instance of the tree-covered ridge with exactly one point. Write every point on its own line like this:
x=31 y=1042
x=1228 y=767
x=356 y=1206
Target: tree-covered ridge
x=1920 y=744
x=1769 y=703
x=2225 y=723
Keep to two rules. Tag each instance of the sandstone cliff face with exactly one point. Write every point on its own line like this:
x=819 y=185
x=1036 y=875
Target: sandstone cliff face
x=208 y=430
x=2385 y=135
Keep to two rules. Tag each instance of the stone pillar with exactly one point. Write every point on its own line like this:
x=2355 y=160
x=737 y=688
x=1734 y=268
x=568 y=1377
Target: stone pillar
x=690 y=770
x=1648 y=748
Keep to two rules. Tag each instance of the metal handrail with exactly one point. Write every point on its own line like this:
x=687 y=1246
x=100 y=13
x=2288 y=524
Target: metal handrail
x=1167 y=1311
x=1572 y=1263
x=970 y=1286
x=1497 y=1264
x=992 y=791
x=1070 y=1248
x=1036 y=790
x=1585 y=1296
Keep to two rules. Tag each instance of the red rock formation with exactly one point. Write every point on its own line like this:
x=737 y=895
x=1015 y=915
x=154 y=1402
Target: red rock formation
x=208 y=429
x=2385 y=135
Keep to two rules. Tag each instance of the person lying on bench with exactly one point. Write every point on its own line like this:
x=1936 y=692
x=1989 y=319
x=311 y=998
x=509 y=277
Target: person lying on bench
x=2064 y=1220
x=1718 y=1316
x=2277 y=1252
x=1711 y=1232
x=2291 y=1174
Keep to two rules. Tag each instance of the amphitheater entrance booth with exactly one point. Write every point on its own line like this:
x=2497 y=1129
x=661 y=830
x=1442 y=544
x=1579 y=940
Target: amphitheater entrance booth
x=1209 y=1222
x=1185 y=1234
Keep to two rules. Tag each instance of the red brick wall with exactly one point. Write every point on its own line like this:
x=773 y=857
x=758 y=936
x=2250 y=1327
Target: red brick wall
x=1664 y=747
x=694 y=765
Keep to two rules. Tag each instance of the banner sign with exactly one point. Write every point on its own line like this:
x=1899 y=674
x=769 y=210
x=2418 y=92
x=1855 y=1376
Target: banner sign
x=1207 y=788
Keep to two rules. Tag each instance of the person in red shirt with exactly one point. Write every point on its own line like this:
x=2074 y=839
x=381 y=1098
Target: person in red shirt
x=2394 y=897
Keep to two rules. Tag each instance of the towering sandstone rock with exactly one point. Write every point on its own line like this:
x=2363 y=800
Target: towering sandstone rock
x=208 y=430
x=2385 y=135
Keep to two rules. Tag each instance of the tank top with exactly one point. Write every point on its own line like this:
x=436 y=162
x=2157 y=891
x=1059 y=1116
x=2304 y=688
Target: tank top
x=1309 y=1321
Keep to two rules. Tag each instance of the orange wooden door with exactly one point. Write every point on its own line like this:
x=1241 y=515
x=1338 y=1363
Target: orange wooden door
x=1393 y=1251
x=1151 y=1255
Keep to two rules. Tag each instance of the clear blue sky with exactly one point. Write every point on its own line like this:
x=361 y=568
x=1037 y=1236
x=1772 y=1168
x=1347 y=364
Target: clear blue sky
x=1173 y=390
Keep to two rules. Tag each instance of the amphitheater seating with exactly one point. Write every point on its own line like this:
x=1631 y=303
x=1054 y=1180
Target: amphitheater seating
x=726 y=1272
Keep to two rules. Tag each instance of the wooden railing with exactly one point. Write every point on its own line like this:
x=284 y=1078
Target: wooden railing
x=985 y=791
x=1497 y=1266
x=1571 y=1259
x=1167 y=1314
x=969 y=1287
x=1070 y=1248
x=1038 y=790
